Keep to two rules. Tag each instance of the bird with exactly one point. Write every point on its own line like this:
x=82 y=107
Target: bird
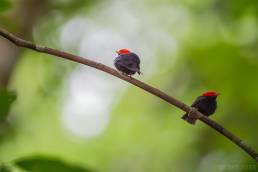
x=206 y=104
x=127 y=62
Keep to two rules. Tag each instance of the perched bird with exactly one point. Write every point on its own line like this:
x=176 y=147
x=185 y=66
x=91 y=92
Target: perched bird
x=127 y=62
x=206 y=104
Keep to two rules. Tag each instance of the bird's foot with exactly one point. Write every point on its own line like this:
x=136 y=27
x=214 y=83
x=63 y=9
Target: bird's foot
x=130 y=76
x=122 y=73
x=193 y=113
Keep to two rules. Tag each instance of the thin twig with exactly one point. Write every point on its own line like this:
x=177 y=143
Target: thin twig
x=156 y=92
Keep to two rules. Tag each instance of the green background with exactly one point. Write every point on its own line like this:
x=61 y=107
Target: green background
x=216 y=48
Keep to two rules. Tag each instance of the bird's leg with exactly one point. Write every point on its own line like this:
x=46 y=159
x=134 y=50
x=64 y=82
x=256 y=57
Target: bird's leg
x=193 y=113
x=130 y=76
x=122 y=73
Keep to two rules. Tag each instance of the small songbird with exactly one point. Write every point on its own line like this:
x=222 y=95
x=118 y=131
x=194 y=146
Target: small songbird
x=127 y=62
x=206 y=104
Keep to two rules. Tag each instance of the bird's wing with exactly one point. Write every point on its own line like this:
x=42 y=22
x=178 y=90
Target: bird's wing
x=136 y=58
x=198 y=102
x=128 y=63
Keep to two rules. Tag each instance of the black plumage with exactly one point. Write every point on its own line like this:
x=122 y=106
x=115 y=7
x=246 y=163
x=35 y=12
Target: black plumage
x=128 y=63
x=205 y=104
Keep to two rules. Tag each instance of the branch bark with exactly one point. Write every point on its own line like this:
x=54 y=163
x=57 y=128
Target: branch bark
x=154 y=91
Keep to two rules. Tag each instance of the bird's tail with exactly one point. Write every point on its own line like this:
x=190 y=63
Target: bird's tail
x=189 y=119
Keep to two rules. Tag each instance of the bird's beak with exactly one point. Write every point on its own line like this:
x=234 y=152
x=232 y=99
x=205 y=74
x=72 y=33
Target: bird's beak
x=218 y=94
x=117 y=52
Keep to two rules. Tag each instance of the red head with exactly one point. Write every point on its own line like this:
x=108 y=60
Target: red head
x=210 y=94
x=123 y=51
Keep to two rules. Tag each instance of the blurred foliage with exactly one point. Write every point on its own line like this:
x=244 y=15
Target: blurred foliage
x=71 y=7
x=217 y=49
x=6 y=99
x=43 y=164
x=4 y=168
x=4 y=5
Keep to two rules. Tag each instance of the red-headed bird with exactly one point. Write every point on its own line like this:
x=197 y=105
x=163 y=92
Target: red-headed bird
x=127 y=62
x=206 y=104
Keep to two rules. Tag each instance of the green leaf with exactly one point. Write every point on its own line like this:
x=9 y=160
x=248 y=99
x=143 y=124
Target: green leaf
x=47 y=164
x=4 y=5
x=6 y=99
x=4 y=168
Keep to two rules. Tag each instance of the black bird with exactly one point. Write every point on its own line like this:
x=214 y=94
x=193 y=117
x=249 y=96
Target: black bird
x=206 y=104
x=127 y=62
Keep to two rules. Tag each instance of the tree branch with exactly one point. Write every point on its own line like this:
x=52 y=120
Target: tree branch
x=154 y=91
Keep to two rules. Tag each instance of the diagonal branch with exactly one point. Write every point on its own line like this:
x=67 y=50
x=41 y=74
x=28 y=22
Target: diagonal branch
x=154 y=91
